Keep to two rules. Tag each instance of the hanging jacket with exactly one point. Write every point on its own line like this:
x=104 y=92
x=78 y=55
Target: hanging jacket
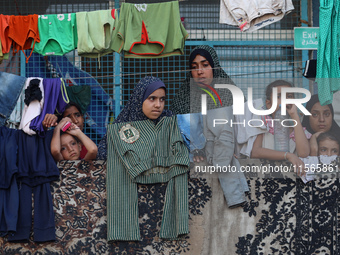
x=220 y=153
x=142 y=152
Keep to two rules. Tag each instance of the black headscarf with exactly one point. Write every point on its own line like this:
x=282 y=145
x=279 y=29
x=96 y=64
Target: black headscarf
x=181 y=102
x=335 y=129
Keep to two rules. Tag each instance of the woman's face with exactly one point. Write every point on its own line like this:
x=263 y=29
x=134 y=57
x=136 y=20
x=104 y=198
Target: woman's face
x=70 y=148
x=328 y=147
x=153 y=106
x=76 y=117
x=321 y=118
x=201 y=70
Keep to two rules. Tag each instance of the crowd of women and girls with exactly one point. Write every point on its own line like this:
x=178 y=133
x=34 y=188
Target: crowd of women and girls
x=317 y=134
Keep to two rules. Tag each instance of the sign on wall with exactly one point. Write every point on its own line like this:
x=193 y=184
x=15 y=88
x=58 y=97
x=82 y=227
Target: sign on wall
x=306 y=38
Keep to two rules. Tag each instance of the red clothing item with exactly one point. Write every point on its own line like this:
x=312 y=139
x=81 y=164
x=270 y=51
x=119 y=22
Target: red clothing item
x=6 y=42
x=23 y=30
x=83 y=152
x=144 y=40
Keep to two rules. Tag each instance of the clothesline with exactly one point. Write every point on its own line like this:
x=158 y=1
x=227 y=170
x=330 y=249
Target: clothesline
x=187 y=70
x=98 y=33
x=180 y=80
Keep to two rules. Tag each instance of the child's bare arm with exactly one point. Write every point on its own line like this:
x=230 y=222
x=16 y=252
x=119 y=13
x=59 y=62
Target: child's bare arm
x=55 y=142
x=259 y=152
x=50 y=120
x=263 y=153
x=86 y=141
x=314 y=148
x=301 y=141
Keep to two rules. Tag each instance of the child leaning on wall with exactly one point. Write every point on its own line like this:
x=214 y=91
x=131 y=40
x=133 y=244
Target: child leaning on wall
x=262 y=150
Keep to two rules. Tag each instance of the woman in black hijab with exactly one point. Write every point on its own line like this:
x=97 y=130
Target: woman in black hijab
x=321 y=121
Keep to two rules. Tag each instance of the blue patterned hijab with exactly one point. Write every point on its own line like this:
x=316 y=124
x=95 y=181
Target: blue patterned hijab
x=133 y=109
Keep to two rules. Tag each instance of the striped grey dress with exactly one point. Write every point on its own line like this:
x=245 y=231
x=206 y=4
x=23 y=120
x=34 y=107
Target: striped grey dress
x=142 y=152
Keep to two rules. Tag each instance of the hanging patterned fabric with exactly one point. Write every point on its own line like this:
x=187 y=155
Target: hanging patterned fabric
x=328 y=70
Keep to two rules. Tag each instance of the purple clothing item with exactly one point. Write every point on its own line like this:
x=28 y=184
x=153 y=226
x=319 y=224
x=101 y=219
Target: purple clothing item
x=53 y=101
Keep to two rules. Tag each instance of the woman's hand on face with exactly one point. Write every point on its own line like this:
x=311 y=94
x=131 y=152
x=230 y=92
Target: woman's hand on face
x=314 y=144
x=316 y=135
x=298 y=165
x=50 y=120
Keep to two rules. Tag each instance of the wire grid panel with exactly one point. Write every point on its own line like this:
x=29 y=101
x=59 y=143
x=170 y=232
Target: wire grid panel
x=267 y=53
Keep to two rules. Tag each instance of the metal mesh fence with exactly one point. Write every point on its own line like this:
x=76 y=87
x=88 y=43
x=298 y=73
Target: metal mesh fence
x=267 y=53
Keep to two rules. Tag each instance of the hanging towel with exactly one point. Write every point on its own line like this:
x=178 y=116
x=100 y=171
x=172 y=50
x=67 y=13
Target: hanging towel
x=81 y=95
x=328 y=70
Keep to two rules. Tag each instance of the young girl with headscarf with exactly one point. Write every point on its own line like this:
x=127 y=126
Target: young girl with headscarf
x=133 y=109
x=145 y=147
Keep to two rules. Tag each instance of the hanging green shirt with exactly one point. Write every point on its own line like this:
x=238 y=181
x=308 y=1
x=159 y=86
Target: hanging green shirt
x=149 y=30
x=142 y=152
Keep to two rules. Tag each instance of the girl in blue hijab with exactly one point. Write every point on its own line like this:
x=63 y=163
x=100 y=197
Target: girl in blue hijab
x=138 y=107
